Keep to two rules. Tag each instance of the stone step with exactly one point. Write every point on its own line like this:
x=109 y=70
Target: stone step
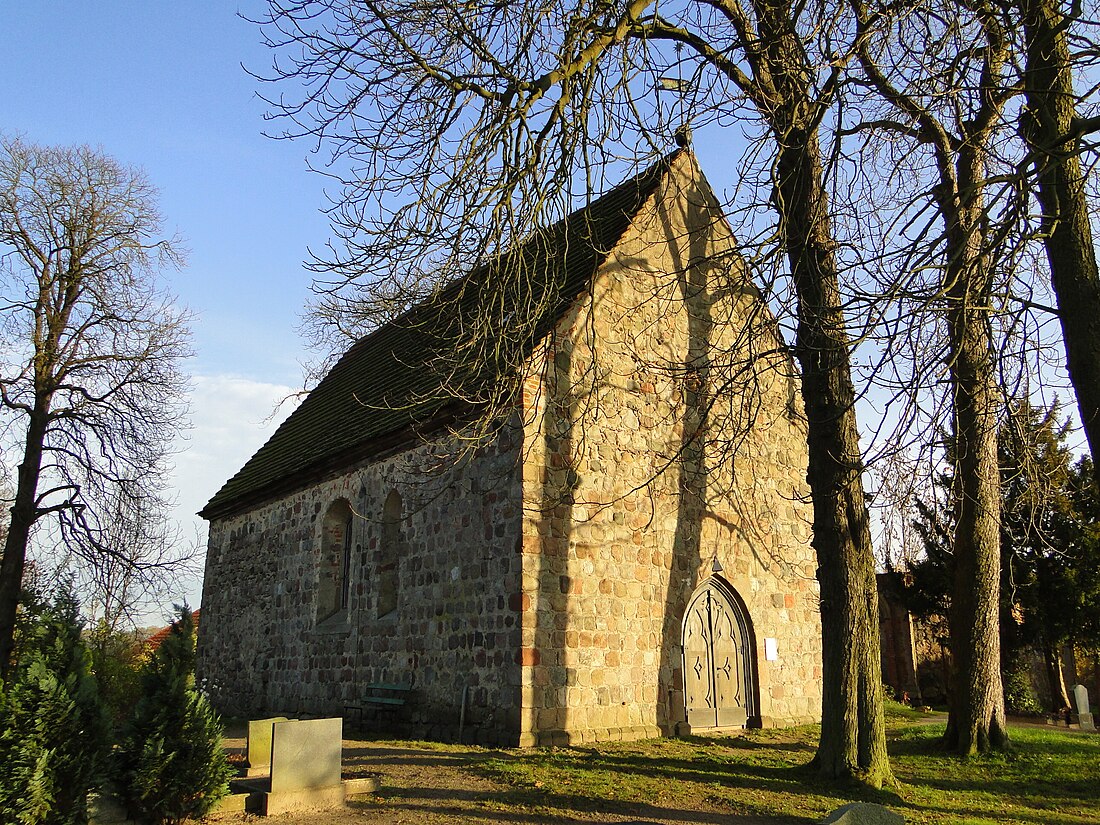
x=253 y=794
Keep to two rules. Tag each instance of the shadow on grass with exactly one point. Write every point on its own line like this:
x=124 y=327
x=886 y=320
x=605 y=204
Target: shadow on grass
x=746 y=776
x=781 y=742
x=528 y=804
x=1045 y=777
x=1049 y=777
x=555 y=813
x=412 y=755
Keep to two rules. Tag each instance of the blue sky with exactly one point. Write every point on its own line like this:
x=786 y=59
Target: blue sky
x=159 y=85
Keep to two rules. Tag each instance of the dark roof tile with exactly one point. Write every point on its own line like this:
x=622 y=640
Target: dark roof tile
x=385 y=384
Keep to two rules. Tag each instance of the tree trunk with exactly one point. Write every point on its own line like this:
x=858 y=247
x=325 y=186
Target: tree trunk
x=1047 y=123
x=24 y=513
x=1095 y=673
x=976 y=722
x=853 y=726
x=853 y=730
x=1059 y=696
x=1069 y=663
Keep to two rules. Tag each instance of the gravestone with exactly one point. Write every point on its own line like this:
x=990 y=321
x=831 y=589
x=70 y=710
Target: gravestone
x=305 y=766
x=1084 y=712
x=259 y=744
x=305 y=754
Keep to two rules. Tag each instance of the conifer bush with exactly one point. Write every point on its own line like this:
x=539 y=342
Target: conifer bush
x=53 y=732
x=117 y=657
x=171 y=765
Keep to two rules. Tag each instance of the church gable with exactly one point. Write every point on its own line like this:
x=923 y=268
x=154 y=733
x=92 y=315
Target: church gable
x=384 y=387
x=664 y=445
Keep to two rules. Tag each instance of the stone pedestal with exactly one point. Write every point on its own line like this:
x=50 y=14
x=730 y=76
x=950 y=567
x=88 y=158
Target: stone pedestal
x=305 y=799
x=255 y=796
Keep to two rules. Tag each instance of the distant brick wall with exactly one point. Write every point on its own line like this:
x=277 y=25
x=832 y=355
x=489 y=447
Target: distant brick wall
x=896 y=640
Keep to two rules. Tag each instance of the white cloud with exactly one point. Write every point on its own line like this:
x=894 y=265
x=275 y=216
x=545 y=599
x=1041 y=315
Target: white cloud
x=231 y=418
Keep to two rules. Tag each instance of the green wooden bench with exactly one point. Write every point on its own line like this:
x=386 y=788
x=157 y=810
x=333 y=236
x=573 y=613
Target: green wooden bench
x=382 y=696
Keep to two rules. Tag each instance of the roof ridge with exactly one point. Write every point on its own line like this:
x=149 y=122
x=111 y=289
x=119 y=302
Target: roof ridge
x=660 y=166
x=375 y=388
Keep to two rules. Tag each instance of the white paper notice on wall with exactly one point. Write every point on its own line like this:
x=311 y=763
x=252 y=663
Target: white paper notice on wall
x=771 y=650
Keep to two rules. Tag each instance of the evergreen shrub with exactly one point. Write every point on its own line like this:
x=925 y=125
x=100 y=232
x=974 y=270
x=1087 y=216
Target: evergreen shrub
x=53 y=733
x=171 y=765
x=117 y=658
x=1020 y=695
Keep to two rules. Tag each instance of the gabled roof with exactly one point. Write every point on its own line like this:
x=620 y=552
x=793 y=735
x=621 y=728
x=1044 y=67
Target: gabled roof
x=383 y=385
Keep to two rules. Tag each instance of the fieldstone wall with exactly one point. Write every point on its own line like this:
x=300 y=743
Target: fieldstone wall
x=664 y=441
x=262 y=649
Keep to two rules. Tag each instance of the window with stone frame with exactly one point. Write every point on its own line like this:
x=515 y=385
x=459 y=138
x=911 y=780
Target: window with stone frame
x=389 y=555
x=334 y=569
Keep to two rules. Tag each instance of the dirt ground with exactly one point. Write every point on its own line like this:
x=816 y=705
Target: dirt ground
x=420 y=784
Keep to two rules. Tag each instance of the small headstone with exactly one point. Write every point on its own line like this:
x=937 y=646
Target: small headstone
x=305 y=754
x=863 y=813
x=259 y=742
x=1081 y=698
x=1084 y=712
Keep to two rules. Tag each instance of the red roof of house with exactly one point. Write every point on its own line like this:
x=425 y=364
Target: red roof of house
x=154 y=641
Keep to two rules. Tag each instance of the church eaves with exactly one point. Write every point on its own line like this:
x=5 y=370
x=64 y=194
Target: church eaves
x=384 y=387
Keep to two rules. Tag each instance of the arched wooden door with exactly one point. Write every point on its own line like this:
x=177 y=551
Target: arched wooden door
x=718 y=659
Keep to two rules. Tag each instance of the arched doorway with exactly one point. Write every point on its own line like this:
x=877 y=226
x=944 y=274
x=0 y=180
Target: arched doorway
x=719 y=657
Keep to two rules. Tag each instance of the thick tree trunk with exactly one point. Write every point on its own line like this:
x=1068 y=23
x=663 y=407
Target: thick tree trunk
x=853 y=728
x=853 y=731
x=23 y=515
x=976 y=722
x=1047 y=124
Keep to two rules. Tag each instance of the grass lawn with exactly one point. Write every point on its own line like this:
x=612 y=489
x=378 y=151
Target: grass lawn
x=1050 y=776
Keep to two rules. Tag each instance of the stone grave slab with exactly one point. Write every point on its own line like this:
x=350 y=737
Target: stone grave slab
x=863 y=813
x=305 y=768
x=259 y=745
x=305 y=754
x=1084 y=711
x=1081 y=698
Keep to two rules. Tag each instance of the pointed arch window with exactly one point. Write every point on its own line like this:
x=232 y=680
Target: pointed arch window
x=334 y=569
x=389 y=559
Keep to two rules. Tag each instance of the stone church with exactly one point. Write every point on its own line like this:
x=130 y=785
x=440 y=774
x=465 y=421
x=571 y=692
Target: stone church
x=627 y=555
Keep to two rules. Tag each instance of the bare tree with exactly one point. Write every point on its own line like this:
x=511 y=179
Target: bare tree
x=133 y=561
x=1054 y=132
x=90 y=380
x=456 y=127
x=945 y=73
